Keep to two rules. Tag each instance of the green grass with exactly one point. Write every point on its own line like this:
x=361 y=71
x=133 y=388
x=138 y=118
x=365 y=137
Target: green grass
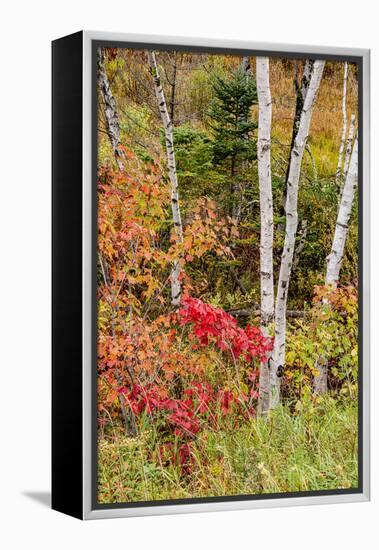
x=313 y=449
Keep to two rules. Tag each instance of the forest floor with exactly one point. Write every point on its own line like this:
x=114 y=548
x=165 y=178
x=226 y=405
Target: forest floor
x=313 y=448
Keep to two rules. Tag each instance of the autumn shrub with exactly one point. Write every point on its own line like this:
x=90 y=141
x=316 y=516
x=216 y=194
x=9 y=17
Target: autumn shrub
x=149 y=375
x=329 y=330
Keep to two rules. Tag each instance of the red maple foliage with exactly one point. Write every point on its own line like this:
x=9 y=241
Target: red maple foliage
x=211 y=324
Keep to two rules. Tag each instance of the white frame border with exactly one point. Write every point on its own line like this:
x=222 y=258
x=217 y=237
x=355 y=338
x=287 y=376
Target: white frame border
x=88 y=512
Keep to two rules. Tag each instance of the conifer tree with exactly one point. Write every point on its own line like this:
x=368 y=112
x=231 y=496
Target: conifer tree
x=233 y=129
x=230 y=119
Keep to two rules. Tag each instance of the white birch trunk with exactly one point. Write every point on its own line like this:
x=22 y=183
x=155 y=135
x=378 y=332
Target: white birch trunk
x=297 y=152
x=266 y=211
x=349 y=146
x=171 y=164
x=110 y=109
x=344 y=124
x=301 y=94
x=308 y=67
x=334 y=259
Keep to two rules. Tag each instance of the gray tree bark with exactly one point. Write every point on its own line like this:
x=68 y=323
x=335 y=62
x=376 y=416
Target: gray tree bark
x=297 y=153
x=176 y=288
x=110 y=109
x=267 y=219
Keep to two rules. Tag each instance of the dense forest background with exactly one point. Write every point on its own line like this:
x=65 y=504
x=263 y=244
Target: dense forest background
x=196 y=396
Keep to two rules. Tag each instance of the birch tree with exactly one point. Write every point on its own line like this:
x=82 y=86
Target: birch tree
x=301 y=89
x=266 y=212
x=344 y=124
x=301 y=93
x=110 y=110
x=173 y=88
x=349 y=146
x=171 y=164
x=334 y=260
x=277 y=365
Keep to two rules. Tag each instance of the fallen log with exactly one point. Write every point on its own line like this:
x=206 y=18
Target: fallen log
x=249 y=312
x=255 y=312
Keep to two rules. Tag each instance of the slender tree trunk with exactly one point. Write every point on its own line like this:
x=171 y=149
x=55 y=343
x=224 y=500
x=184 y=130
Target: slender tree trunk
x=169 y=140
x=297 y=153
x=320 y=382
x=334 y=260
x=301 y=93
x=266 y=211
x=349 y=146
x=344 y=124
x=173 y=90
x=110 y=109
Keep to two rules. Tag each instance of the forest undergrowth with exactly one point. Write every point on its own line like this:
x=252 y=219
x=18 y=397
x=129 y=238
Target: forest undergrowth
x=227 y=333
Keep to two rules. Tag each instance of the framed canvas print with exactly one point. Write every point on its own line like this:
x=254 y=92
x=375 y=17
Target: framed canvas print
x=210 y=275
